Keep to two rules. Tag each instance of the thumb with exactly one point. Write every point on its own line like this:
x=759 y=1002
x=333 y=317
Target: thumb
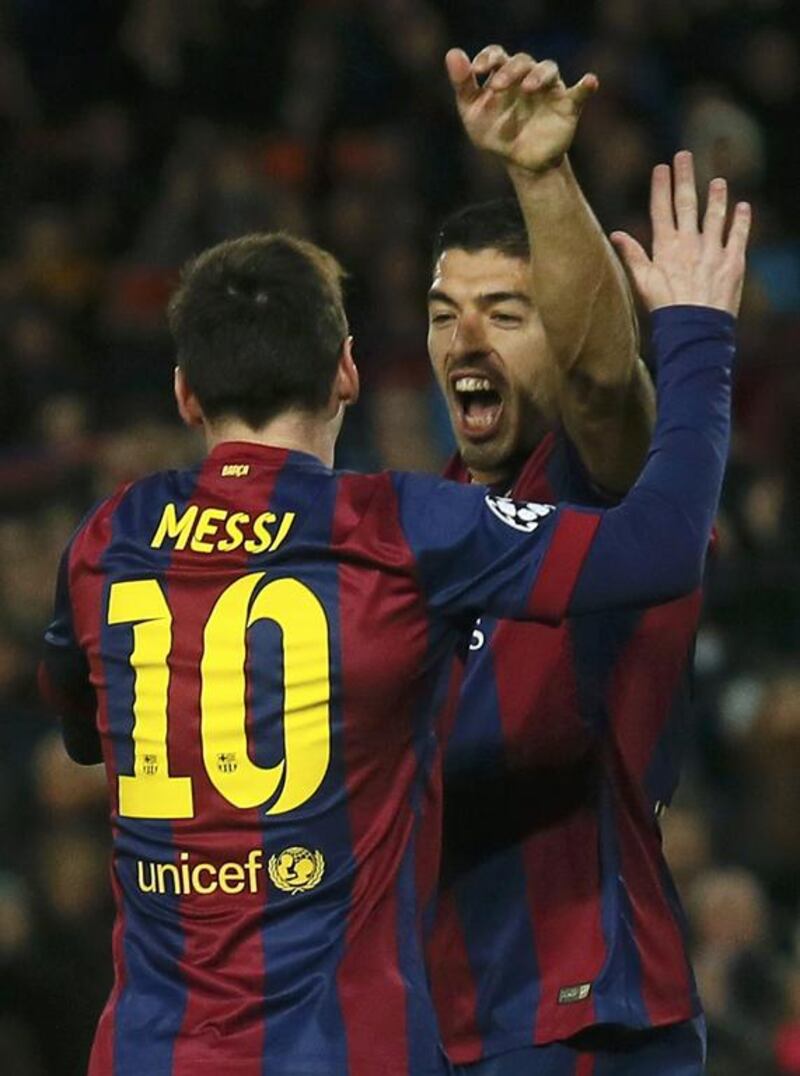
x=461 y=75
x=631 y=252
x=585 y=88
x=633 y=258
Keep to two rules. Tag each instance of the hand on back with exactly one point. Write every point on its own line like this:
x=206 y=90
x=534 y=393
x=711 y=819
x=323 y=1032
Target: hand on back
x=692 y=265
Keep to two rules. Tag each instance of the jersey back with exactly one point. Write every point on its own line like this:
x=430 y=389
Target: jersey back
x=268 y=641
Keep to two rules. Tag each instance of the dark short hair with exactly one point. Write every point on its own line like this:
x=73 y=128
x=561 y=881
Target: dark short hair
x=498 y=224
x=259 y=324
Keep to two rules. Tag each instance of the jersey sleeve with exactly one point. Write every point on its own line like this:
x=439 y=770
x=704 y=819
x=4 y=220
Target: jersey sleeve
x=652 y=547
x=476 y=552
x=64 y=681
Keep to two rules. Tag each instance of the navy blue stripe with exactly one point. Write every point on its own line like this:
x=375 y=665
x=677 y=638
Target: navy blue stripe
x=488 y=872
x=618 y=989
x=150 y=1008
x=422 y=1029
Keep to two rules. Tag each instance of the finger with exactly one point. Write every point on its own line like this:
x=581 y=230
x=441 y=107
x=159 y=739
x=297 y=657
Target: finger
x=489 y=59
x=513 y=72
x=740 y=230
x=632 y=253
x=543 y=76
x=716 y=210
x=661 y=204
x=462 y=78
x=580 y=93
x=685 y=192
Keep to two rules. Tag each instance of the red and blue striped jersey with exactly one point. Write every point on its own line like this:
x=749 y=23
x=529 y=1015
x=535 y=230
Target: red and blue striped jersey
x=268 y=644
x=557 y=910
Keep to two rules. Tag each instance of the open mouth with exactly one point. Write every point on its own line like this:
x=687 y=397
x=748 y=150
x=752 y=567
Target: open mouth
x=478 y=405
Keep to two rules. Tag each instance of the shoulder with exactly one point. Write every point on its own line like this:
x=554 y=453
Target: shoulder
x=95 y=532
x=556 y=472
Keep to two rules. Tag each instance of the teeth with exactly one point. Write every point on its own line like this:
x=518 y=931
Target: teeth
x=479 y=420
x=473 y=384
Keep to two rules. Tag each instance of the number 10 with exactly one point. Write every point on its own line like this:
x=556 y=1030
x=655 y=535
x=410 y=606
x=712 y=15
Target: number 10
x=152 y=792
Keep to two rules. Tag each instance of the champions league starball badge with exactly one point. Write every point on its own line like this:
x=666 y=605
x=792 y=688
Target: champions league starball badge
x=521 y=515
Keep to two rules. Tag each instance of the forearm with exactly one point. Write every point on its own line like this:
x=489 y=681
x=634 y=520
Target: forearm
x=605 y=398
x=652 y=547
x=578 y=282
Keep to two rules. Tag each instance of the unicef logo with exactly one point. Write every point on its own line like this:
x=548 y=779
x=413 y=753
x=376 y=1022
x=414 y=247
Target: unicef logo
x=296 y=869
x=521 y=515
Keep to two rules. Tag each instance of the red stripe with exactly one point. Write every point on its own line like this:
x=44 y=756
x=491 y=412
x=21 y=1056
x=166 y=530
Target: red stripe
x=223 y=963
x=642 y=692
x=454 y=989
x=544 y=735
x=585 y=1065
x=562 y=563
x=383 y=635
x=563 y=884
x=86 y=586
x=647 y=676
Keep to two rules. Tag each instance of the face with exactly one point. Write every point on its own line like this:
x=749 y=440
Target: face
x=491 y=358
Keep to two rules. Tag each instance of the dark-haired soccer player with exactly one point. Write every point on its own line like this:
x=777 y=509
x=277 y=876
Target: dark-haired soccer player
x=259 y=647
x=558 y=921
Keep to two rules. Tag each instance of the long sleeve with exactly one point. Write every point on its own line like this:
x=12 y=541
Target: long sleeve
x=652 y=546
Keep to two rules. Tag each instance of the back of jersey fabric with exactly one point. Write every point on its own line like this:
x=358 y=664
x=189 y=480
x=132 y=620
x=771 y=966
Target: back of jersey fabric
x=266 y=701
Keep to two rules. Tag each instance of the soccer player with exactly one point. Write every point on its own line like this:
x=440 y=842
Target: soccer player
x=259 y=649
x=558 y=922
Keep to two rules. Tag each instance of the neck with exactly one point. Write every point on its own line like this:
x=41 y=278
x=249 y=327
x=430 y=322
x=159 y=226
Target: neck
x=299 y=431
x=502 y=477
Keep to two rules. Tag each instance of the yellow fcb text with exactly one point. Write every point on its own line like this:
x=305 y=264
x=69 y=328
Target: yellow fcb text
x=217 y=530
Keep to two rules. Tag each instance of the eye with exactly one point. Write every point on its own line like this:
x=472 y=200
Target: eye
x=441 y=319
x=509 y=321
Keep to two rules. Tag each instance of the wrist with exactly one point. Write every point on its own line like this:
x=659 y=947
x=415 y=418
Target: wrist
x=550 y=178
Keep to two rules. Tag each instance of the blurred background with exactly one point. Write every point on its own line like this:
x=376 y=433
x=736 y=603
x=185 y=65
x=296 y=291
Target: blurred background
x=135 y=133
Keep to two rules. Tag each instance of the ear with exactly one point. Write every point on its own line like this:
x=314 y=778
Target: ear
x=347 y=384
x=188 y=405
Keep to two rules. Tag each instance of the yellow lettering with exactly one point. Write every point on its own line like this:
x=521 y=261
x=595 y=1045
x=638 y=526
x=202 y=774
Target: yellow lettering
x=207 y=526
x=146 y=887
x=200 y=887
x=164 y=869
x=185 y=881
x=234 y=870
x=171 y=526
x=263 y=539
x=283 y=530
x=254 y=863
x=233 y=528
x=235 y=470
x=150 y=792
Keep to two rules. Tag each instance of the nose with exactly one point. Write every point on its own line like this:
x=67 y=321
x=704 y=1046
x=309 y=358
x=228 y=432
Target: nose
x=469 y=337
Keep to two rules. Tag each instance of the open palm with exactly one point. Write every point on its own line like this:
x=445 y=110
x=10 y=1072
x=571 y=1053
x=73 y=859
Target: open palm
x=691 y=264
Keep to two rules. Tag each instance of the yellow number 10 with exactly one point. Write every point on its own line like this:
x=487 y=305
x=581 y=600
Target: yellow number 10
x=152 y=792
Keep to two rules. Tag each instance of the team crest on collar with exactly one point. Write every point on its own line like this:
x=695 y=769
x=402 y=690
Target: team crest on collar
x=521 y=515
x=296 y=869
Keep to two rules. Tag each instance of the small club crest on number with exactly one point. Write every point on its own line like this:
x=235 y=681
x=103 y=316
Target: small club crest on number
x=521 y=515
x=226 y=762
x=296 y=869
x=150 y=765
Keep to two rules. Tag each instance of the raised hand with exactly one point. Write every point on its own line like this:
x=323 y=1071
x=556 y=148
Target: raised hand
x=690 y=265
x=523 y=112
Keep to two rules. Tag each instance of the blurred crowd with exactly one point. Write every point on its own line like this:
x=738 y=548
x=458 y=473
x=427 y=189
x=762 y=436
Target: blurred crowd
x=134 y=134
